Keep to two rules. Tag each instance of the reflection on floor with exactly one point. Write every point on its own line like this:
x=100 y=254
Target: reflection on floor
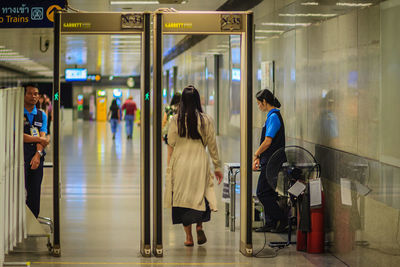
x=100 y=212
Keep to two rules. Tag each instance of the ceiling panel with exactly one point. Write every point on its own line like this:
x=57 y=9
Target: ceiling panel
x=106 y=55
x=111 y=55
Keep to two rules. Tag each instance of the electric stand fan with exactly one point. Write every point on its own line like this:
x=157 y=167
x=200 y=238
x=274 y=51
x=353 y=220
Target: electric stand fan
x=288 y=171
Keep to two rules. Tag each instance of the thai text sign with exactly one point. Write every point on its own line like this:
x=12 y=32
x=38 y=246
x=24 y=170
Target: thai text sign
x=29 y=14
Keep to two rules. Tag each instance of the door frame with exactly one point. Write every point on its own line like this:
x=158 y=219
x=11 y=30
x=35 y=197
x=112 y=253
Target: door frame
x=106 y=23
x=211 y=23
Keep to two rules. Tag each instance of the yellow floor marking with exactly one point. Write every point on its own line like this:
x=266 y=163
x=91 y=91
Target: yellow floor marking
x=137 y=263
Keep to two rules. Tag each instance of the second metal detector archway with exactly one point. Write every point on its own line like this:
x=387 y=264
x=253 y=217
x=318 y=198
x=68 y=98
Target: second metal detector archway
x=106 y=23
x=227 y=23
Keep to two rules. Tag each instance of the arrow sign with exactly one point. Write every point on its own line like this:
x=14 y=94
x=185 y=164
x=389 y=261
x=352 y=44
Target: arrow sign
x=51 y=11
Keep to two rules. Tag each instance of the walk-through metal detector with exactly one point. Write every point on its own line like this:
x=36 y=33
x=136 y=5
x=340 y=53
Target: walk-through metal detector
x=227 y=23
x=106 y=23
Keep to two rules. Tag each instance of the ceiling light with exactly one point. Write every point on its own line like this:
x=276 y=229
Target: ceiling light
x=126 y=46
x=261 y=37
x=285 y=24
x=8 y=53
x=307 y=15
x=269 y=31
x=13 y=59
x=134 y=2
x=310 y=4
x=38 y=68
x=353 y=4
x=125 y=53
x=46 y=73
x=125 y=37
x=125 y=42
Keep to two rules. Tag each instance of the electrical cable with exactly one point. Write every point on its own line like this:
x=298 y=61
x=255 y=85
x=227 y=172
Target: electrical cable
x=340 y=260
x=265 y=244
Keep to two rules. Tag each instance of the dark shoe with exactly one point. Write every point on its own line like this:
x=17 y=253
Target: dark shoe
x=281 y=227
x=189 y=244
x=265 y=228
x=201 y=237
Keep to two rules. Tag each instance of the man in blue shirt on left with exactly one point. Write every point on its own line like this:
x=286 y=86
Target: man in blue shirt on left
x=35 y=141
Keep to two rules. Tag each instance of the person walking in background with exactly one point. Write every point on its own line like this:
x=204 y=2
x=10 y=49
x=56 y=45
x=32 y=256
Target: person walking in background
x=35 y=141
x=170 y=110
x=130 y=107
x=42 y=104
x=49 y=112
x=114 y=117
x=189 y=185
x=272 y=139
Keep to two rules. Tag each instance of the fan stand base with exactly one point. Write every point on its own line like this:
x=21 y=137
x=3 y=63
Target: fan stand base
x=289 y=241
x=281 y=244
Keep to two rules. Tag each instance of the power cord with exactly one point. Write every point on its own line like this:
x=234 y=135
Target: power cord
x=265 y=244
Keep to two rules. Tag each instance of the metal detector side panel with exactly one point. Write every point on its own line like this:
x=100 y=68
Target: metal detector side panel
x=86 y=23
x=203 y=23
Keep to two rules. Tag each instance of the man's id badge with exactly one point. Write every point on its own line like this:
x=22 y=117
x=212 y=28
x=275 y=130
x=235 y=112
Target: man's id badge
x=34 y=132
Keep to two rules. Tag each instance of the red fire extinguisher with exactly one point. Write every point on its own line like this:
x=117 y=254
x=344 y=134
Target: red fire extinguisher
x=316 y=237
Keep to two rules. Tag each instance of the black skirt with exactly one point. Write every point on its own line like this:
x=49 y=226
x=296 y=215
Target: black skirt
x=188 y=216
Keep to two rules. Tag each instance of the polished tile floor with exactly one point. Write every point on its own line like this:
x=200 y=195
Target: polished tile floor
x=100 y=212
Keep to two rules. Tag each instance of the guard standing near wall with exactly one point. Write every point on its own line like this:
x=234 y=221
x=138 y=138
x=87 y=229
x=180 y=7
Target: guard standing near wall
x=35 y=130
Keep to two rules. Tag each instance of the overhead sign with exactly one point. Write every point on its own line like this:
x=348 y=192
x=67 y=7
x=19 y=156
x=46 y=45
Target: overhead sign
x=132 y=21
x=29 y=14
x=75 y=75
x=204 y=22
x=102 y=23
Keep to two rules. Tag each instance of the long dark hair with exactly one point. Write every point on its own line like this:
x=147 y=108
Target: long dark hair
x=114 y=104
x=176 y=99
x=268 y=97
x=189 y=107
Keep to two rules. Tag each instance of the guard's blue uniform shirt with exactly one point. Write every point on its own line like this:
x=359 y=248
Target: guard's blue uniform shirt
x=32 y=114
x=272 y=124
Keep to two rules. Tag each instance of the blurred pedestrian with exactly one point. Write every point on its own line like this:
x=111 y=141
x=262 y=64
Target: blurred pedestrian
x=49 y=112
x=114 y=117
x=170 y=110
x=130 y=107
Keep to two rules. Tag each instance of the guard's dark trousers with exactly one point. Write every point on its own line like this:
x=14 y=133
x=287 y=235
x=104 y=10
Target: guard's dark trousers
x=268 y=198
x=33 y=183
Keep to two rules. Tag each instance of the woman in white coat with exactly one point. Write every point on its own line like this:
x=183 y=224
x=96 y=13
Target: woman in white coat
x=189 y=185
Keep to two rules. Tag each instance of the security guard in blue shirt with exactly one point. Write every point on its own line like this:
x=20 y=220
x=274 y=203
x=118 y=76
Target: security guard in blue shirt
x=35 y=141
x=272 y=139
